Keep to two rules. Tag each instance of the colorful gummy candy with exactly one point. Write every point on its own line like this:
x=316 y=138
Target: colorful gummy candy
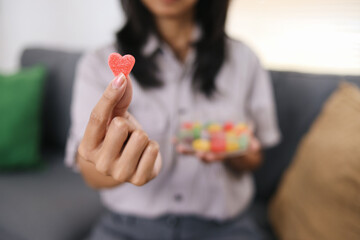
x=214 y=137
x=121 y=64
x=201 y=145
x=228 y=126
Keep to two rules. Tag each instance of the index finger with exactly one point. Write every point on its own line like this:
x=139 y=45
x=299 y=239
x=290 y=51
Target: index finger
x=101 y=113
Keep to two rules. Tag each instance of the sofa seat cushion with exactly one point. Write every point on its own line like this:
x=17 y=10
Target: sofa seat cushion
x=51 y=203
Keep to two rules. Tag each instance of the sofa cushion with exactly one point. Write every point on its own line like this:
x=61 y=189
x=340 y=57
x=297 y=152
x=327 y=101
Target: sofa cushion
x=319 y=195
x=20 y=126
x=299 y=98
x=58 y=90
x=50 y=203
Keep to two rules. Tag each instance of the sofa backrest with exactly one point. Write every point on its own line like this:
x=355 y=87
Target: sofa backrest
x=58 y=90
x=299 y=99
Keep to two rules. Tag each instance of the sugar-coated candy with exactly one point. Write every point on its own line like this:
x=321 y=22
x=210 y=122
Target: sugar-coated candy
x=218 y=141
x=217 y=135
x=231 y=135
x=228 y=126
x=187 y=125
x=243 y=141
x=218 y=145
x=232 y=146
x=197 y=132
x=121 y=64
x=197 y=124
x=239 y=129
x=214 y=127
x=201 y=145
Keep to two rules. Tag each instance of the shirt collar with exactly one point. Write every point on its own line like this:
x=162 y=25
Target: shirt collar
x=153 y=43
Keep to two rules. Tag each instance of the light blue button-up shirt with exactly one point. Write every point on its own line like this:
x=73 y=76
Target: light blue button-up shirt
x=185 y=184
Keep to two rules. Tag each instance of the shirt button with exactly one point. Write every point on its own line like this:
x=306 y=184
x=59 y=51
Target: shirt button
x=171 y=221
x=178 y=197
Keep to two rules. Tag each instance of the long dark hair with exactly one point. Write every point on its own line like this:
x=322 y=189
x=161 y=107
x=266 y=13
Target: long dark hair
x=210 y=49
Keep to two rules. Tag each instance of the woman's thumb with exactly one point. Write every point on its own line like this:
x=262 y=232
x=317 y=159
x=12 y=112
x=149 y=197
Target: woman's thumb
x=123 y=104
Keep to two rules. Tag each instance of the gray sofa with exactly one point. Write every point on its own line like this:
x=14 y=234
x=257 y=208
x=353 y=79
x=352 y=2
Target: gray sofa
x=53 y=203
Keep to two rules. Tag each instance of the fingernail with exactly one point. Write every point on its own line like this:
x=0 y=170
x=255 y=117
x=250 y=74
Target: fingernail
x=118 y=81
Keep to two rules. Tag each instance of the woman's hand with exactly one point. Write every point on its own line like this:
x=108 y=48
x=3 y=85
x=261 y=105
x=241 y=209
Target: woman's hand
x=249 y=160
x=114 y=149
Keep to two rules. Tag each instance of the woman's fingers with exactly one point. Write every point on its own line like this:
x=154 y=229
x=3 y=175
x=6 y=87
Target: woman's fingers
x=123 y=105
x=125 y=167
x=99 y=118
x=157 y=166
x=131 y=118
x=204 y=156
x=145 y=169
x=118 y=132
x=255 y=144
x=180 y=148
x=211 y=156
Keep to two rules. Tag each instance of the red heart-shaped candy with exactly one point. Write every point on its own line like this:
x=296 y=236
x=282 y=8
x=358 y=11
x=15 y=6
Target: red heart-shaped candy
x=121 y=64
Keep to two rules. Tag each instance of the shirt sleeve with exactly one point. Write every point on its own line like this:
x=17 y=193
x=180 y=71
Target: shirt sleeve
x=262 y=107
x=87 y=90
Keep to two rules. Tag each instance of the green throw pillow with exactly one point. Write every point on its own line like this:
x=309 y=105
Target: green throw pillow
x=20 y=114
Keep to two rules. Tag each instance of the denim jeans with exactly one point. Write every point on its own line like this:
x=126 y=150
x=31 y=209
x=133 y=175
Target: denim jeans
x=113 y=226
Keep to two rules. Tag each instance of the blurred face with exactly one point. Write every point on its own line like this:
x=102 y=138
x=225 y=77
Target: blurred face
x=170 y=8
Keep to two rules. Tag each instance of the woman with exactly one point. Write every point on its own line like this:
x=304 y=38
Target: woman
x=186 y=69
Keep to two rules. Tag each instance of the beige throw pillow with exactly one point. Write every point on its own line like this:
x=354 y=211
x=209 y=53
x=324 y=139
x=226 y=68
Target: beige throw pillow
x=319 y=196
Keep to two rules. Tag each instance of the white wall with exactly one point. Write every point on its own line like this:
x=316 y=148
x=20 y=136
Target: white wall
x=306 y=35
x=64 y=24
